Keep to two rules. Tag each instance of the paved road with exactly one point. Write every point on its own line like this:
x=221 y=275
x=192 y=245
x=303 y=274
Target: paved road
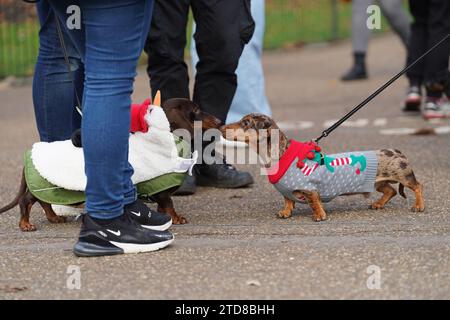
x=234 y=247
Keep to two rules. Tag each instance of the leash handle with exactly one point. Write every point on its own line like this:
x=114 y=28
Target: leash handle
x=66 y=59
x=326 y=132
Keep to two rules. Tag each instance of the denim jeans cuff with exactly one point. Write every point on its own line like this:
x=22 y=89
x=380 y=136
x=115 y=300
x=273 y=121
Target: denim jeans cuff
x=130 y=197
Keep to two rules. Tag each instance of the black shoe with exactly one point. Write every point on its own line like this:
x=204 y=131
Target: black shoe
x=222 y=176
x=147 y=218
x=188 y=187
x=358 y=71
x=121 y=235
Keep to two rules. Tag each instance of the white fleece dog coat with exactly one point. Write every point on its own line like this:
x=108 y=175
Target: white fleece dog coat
x=152 y=154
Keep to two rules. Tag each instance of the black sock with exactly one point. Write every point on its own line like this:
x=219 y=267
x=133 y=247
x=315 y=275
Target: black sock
x=103 y=222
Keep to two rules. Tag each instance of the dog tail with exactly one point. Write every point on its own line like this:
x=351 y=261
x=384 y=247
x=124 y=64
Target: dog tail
x=401 y=190
x=22 y=190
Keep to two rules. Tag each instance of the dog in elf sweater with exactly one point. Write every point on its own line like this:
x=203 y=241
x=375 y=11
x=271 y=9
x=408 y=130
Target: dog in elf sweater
x=305 y=174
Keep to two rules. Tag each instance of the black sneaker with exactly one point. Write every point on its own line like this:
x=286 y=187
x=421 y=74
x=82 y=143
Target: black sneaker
x=222 y=176
x=147 y=218
x=121 y=235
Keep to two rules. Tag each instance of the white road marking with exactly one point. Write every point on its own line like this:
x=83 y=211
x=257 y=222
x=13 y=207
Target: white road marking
x=442 y=130
x=358 y=123
x=407 y=131
x=292 y=125
x=380 y=122
x=398 y=131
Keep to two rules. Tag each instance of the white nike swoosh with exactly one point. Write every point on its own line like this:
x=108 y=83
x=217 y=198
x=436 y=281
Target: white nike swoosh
x=138 y=214
x=117 y=233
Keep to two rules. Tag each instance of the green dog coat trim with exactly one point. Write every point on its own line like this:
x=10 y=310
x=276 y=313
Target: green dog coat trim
x=47 y=192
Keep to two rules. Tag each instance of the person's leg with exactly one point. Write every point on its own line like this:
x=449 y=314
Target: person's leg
x=53 y=92
x=114 y=35
x=111 y=41
x=250 y=95
x=397 y=17
x=165 y=49
x=418 y=40
x=360 y=40
x=437 y=62
x=223 y=28
x=416 y=47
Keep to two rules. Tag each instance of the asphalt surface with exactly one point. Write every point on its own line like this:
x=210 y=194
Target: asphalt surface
x=234 y=246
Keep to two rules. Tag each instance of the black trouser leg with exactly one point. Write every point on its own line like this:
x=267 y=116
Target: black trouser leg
x=418 y=40
x=436 y=70
x=223 y=29
x=165 y=49
x=431 y=24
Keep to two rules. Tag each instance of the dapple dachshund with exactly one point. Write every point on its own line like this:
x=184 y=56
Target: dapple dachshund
x=390 y=167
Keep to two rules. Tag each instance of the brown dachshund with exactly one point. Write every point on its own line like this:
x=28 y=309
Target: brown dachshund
x=393 y=167
x=181 y=114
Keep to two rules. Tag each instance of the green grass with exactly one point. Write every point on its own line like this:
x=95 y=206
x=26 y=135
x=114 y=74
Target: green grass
x=294 y=22
x=288 y=23
x=18 y=48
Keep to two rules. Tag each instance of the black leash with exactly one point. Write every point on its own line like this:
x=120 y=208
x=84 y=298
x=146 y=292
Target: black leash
x=326 y=132
x=66 y=58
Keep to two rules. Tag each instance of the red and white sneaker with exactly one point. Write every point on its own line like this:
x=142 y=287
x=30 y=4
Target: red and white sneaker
x=413 y=99
x=436 y=109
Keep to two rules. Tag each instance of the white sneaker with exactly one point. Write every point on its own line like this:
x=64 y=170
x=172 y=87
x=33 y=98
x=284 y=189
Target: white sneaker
x=436 y=109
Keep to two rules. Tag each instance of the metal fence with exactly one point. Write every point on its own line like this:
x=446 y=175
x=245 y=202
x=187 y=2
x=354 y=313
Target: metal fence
x=288 y=23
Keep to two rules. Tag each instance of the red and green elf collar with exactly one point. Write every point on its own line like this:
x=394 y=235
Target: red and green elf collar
x=296 y=150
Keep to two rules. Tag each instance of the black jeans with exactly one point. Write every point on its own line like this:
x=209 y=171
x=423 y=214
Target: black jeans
x=431 y=24
x=223 y=29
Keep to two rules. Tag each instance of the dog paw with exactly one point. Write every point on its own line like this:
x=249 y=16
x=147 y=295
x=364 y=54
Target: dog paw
x=179 y=220
x=416 y=208
x=26 y=227
x=284 y=214
x=58 y=219
x=319 y=217
x=376 y=206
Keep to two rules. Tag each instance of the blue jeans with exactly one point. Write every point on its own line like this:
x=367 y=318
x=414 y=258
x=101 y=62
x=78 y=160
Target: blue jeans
x=53 y=93
x=109 y=43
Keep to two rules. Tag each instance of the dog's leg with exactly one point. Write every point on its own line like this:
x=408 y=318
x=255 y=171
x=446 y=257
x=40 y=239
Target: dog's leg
x=313 y=199
x=165 y=204
x=26 y=203
x=388 y=193
x=288 y=207
x=411 y=182
x=394 y=166
x=51 y=215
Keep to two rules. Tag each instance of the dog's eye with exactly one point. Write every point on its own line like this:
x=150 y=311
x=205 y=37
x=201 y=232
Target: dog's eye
x=245 y=123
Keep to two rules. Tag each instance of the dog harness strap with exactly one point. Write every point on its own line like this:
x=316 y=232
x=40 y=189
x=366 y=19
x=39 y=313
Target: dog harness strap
x=297 y=151
x=138 y=112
